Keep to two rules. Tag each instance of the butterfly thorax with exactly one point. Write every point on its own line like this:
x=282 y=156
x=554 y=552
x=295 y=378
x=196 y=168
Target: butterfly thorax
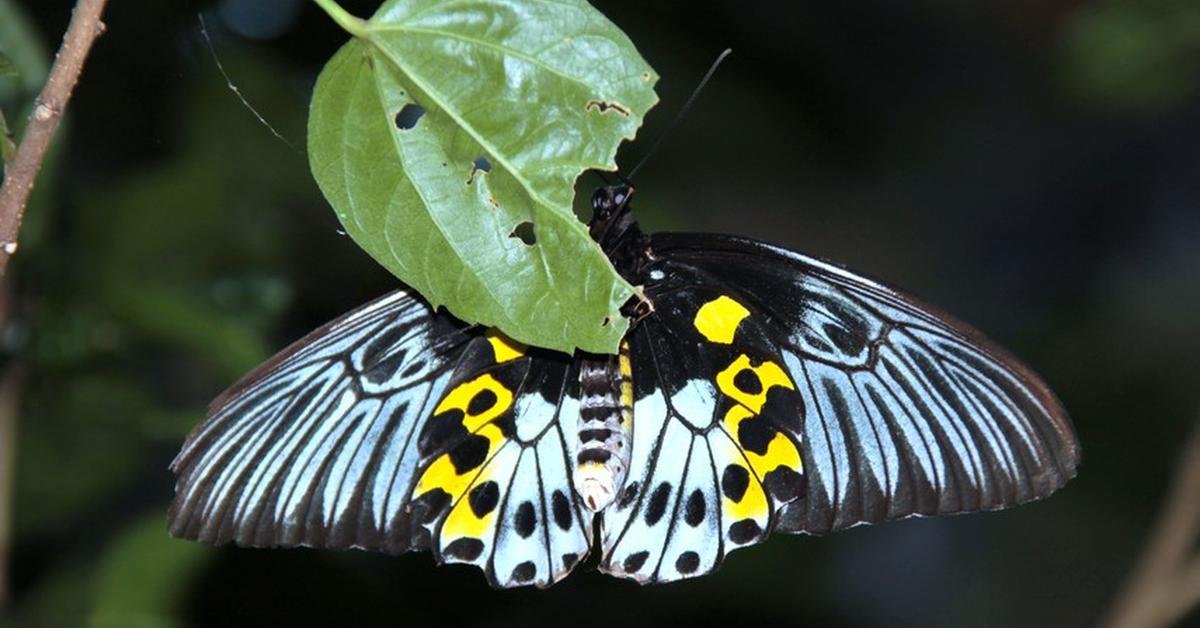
x=605 y=428
x=615 y=229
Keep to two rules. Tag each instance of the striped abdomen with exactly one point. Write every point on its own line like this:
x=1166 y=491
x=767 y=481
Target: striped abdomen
x=605 y=428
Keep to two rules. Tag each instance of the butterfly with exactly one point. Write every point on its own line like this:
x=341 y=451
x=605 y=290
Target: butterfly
x=757 y=390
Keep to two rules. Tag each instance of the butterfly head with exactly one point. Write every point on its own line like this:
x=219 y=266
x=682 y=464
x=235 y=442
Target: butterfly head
x=610 y=202
x=611 y=213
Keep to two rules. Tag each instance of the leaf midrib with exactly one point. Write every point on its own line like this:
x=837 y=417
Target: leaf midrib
x=542 y=205
x=482 y=44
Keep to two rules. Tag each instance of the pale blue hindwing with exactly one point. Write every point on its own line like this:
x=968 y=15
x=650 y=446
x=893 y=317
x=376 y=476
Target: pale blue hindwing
x=318 y=448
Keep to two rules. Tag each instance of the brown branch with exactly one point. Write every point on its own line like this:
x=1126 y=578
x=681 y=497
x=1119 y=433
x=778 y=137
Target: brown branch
x=1166 y=584
x=47 y=112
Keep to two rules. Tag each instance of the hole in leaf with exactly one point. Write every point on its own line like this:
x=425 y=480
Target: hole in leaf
x=524 y=232
x=607 y=320
x=602 y=107
x=481 y=164
x=408 y=116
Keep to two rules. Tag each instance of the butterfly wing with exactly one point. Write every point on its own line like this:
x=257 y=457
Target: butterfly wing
x=394 y=428
x=777 y=392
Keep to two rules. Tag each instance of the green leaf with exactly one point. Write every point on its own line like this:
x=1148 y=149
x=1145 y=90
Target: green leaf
x=451 y=131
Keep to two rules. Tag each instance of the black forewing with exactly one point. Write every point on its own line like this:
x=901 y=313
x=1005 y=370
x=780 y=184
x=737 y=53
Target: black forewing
x=323 y=445
x=905 y=410
x=312 y=447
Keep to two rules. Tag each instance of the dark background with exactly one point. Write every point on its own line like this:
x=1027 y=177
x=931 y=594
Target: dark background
x=1032 y=166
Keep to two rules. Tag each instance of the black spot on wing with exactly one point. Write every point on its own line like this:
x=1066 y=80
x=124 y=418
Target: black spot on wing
x=687 y=562
x=483 y=498
x=524 y=572
x=734 y=482
x=562 y=510
x=784 y=484
x=525 y=521
x=658 y=503
x=694 y=511
x=634 y=562
x=469 y=454
x=744 y=531
x=465 y=549
x=747 y=381
x=755 y=434
x=481 y=402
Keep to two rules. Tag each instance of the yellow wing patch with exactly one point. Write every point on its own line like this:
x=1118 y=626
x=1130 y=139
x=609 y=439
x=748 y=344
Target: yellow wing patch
x=718 y=319
x=442 y=474
x=752 y=505
x=477 y=406
x=480 y=400
x=503 y=347
x=752 y=393
x=462 y=520
x=781 y=452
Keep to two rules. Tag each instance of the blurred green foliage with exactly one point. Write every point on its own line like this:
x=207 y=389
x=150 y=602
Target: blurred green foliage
x=1134 y=53
x=143 y=577
x=175 y=265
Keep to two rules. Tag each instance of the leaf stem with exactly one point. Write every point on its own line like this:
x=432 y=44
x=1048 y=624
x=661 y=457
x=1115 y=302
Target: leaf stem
x=353 y=25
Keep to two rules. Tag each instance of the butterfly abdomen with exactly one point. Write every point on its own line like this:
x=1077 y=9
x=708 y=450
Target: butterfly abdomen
x=605 y=428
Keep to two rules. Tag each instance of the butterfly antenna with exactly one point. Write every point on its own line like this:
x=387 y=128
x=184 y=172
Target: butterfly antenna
x=682 y=112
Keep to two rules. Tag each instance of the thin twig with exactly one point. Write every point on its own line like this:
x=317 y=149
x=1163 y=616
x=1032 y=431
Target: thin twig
x=48 y=110
x=1166 y=583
